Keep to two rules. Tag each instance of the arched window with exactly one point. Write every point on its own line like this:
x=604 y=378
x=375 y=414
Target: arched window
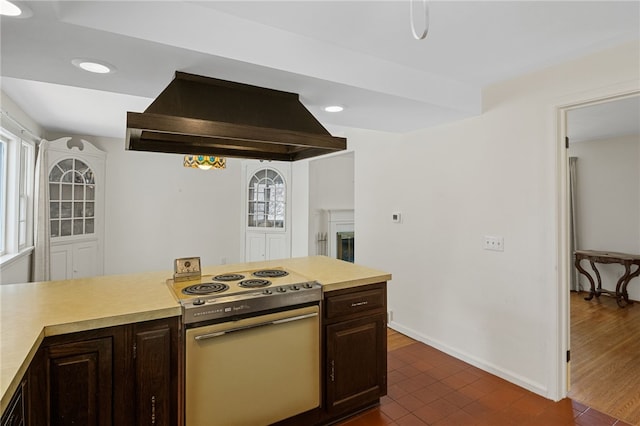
x=71 y=198
x=266 y=200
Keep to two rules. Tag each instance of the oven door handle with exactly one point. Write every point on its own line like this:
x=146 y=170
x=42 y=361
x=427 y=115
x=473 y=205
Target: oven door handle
x=248 y=327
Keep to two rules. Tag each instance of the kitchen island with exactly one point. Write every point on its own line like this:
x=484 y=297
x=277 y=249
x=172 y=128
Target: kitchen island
x=33 y=311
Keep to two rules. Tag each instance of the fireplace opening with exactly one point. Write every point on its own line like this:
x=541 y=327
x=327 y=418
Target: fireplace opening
x=345 y=245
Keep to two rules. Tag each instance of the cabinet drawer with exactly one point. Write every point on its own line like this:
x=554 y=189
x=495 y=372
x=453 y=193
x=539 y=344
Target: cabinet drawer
x=354 y=303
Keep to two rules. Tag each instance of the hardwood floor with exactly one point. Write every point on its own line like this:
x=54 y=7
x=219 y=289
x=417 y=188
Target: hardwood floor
x=397 y=340
x=605 y=356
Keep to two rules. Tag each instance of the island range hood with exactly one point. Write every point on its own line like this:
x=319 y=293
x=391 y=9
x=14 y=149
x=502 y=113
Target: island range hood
x=202 y=115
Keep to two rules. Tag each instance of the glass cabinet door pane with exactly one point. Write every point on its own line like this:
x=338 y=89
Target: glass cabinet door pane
x=77 y=226
x=66 y=164
x=67 y=192
x=78 y=210
x=78 y=178
x=54 y=191
x=89 y=177
x=65 y=210
x=65 y=228
x=54 y=210
x=55 y=228
x=55 y=174
x=88 y=226
x=78 y=192
x=90 y=192
x=89 y=210
x=80 y=166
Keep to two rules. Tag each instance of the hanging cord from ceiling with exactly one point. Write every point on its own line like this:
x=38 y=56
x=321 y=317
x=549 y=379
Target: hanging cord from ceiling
x=425 y=8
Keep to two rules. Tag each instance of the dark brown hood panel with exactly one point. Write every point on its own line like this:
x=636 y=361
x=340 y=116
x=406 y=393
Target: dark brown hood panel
x=202 y=115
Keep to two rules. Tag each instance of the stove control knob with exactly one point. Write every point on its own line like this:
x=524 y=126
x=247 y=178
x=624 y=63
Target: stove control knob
x=308 y=285
x=267 y=291
x=198 y=302
x=295 y=287
x=282 y=289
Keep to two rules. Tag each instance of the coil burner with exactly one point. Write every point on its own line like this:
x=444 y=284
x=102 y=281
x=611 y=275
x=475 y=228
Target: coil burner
x=228 y=277
x=207 y=288
x=253 y=283
x=270 y=273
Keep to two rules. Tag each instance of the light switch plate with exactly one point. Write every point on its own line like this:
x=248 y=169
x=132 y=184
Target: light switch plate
x=493 y=242
x=396 y=217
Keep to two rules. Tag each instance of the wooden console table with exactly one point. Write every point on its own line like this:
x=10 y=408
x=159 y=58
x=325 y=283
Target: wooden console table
x=625 y=259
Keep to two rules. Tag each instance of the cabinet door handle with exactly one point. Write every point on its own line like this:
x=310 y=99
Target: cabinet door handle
x=364 y=302
x=248 y=327
x=153 y=409
x=333 y=371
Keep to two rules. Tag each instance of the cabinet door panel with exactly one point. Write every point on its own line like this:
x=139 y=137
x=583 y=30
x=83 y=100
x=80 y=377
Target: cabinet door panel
x=255 y=249
x=153 y=376
x=61 y=262
x=14 y=415
x=80 y=382
x=277 y=247
x=356 y=362
x=85 y=259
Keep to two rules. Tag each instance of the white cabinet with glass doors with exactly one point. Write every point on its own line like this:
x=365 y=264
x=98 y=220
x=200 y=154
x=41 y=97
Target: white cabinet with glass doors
x=76 y=206
x=267 y=211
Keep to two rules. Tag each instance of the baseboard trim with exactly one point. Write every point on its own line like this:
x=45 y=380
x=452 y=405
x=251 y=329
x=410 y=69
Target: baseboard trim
x=507 y=375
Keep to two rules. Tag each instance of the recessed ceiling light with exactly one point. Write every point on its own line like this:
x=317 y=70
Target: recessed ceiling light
x=9 y=9
x=90 y=65
x=334 y=108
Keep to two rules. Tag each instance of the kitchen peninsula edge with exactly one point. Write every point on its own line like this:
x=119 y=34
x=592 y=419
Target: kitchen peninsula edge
x=32 y=311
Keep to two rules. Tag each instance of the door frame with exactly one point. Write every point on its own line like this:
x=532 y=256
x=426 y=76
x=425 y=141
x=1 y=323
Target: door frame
x=564 y=257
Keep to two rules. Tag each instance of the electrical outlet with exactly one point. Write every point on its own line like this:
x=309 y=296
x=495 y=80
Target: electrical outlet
x=389 y=316
x=493 y=242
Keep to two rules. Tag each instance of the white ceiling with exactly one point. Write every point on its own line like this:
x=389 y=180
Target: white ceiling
x=359 y=54
x=606 y=120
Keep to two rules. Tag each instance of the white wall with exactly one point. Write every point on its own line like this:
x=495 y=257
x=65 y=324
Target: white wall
x=157 y=210
x=495 y=174
x=300 y=194
x=608 y=202
x=331 y=186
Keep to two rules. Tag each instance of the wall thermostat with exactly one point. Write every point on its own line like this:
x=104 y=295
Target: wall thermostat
x=396 y=217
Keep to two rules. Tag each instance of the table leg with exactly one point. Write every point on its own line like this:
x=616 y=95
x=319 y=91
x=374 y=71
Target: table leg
x=629 y=276
x=620 y=298
x=593 y=266
x=580 y=269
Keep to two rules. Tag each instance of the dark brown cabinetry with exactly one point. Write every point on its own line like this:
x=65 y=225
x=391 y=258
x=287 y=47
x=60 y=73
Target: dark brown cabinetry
x=80 y=385
x=125 y=375
x=15 y=415
x=156 y=376
x=356 y=348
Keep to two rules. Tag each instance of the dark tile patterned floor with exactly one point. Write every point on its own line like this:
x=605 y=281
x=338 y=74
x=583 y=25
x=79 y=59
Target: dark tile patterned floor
x=429 y=387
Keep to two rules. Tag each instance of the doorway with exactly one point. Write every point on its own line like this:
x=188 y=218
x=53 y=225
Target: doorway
x=604 y=144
